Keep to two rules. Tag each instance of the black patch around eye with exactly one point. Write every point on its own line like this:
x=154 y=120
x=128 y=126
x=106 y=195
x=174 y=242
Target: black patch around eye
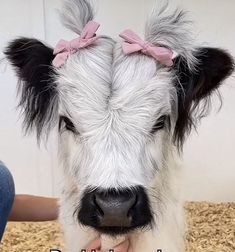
x=161 y=123
x=68 y=124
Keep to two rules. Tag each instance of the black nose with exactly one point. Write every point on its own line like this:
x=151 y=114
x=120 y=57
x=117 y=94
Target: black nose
x=115 y=208
x=115 y=211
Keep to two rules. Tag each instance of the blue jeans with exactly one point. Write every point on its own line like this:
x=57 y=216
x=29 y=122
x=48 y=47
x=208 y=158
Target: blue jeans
x=7 y=195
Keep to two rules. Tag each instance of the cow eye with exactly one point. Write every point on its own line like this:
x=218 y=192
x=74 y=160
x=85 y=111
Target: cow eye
x=160 y=123
x=66 y=123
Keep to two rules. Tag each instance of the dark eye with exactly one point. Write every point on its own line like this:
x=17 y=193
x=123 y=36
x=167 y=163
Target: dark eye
x=68 y=125
x=160 y=123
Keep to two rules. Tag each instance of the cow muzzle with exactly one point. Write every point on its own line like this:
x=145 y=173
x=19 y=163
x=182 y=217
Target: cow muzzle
x=114 y=211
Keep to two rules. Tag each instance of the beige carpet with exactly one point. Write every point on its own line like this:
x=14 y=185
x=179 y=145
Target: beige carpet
x=211 y=229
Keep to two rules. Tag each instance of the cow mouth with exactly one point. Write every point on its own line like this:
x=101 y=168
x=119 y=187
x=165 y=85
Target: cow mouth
x=115 y=231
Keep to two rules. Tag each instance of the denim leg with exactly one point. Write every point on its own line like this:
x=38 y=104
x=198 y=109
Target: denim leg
x=7 y=195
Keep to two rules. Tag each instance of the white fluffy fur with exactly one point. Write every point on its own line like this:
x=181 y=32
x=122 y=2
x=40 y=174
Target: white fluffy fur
x=114 y=101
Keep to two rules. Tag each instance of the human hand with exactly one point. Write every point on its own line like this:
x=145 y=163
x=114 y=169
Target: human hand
x=96 y=245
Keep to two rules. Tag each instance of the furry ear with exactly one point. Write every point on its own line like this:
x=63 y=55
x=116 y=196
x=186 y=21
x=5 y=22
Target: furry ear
x=31 y=60
x=214 y=65
x=76 y=14
x=172 y=28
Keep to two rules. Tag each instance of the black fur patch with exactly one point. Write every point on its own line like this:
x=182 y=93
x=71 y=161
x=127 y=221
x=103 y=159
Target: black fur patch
x=214 y=66
x=32 y=62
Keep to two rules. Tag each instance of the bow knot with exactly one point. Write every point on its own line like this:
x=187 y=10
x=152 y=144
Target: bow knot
x=133 y=43
x=64 y=48
x=146 y=46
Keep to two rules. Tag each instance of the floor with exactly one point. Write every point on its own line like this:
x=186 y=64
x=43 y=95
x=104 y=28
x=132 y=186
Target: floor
x=211 y=229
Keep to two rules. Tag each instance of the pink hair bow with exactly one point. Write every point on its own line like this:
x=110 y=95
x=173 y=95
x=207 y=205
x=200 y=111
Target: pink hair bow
x=64 y=48
x=133 y=43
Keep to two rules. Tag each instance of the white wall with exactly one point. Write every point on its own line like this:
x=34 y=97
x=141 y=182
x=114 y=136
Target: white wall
x=30 y=166
x=208 y=158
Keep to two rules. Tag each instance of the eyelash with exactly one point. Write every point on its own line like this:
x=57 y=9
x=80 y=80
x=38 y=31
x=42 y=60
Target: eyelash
x=68 y=125
x=160 y=123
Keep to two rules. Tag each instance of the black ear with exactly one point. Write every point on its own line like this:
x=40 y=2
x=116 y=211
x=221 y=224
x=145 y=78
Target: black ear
x=214 y=65
x=31 y=60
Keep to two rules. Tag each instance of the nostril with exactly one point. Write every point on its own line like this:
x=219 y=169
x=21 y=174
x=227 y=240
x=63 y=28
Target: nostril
x=129 y=214
x=98 y=208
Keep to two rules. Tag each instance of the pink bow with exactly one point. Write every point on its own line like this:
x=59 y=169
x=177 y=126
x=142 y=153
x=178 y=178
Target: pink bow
x=133 y=43
x=64 y=48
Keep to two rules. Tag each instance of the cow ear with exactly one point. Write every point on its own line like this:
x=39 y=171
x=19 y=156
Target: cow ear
x=212 y=67
x=31 y=60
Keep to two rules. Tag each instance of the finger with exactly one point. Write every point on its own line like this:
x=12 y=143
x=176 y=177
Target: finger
x=123 y=247
x=94 y=245
x=130 y=249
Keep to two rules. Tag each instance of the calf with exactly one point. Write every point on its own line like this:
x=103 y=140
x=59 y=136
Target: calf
x=123 y=110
